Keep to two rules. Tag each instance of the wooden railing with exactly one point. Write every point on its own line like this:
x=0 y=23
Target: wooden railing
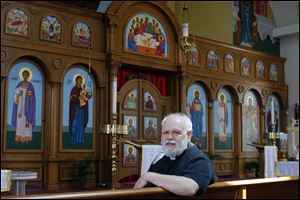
x=281 y=187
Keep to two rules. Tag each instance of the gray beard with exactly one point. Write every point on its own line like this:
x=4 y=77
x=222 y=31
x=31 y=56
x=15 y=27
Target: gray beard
x=180 y=147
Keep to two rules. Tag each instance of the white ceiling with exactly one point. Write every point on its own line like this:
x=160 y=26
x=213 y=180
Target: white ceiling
x=286 y=14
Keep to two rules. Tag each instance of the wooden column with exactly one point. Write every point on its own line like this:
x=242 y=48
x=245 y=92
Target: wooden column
x=2 y=108
x=238 y=172
x=284 y=115
x=111 y=32
x=183 y=96
x=53 y=170
x=262 y=123
x=238 y=126
x=102 y=139
x=182 y=83
x=210 y=126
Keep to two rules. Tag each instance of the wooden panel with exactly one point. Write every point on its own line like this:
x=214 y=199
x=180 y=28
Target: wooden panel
x=65 y=173
x=223 y=167
x=275 y=190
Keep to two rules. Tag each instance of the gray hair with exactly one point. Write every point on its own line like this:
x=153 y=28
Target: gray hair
x=187 y=126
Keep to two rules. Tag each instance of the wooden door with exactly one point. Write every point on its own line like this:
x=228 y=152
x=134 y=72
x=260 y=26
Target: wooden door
x=141 y=107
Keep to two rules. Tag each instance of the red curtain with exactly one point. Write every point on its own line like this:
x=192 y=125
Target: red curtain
x=157 y=79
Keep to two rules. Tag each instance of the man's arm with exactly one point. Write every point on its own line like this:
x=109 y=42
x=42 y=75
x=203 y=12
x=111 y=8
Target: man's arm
x=179 y=185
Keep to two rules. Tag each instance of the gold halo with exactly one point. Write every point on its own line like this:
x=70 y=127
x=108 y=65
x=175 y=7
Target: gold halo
x=149 y=121
x=220 y=97
x=129 y=146
x=21 y=72
x=128 y=121
x=251 y=99
x=75 y=76
x=198 y=93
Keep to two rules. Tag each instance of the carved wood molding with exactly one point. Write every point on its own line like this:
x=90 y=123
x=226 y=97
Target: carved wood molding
x=213 y=84
x=264 y=92
x=33 y=12
x=241 y=88
x=57 y=63
x=182 y=77
x=113 y=67
x=55 y=84
x=4 y=56
x=4 y=4
x=67 y=19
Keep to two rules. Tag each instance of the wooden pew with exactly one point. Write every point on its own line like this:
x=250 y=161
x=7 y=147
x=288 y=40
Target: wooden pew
x=274 y=188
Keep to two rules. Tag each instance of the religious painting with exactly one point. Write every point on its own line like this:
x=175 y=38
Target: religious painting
x=145 y=34
x=149 y=102
x=131 y=122
x=276 y=114
x=260 y=70
x=250 y=121
x=194 y=56
x=150 y=127
x=51 y=29
x=130 y=156
x=78 y=103
x=273 y=72
x=223 y=121
x=196 y=109
x=24 y=111
x=247 y=32
x=130 y=101
x=81 y=35
x=229 y=63
x=212 y=60
x=245 y=66
x=17 y=22
x=247 y=20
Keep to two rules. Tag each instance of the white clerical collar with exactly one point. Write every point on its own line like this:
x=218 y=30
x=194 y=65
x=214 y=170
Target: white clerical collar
x=172 y=158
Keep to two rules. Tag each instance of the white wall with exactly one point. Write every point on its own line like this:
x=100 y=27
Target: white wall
x=289 y=48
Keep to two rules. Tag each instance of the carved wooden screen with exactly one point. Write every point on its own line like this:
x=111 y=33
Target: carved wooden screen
x=142 y=108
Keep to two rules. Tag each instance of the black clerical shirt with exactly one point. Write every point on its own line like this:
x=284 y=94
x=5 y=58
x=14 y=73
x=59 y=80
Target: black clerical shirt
x=192 y=163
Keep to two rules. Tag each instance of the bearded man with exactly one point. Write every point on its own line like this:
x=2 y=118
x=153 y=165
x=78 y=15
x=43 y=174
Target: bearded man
x=184 y=169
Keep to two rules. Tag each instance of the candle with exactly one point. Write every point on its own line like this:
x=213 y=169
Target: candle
x=185 y=30
x=107 y=128
x=283 y=136
x=125 y=129
x=272 y=112
x=114 y=95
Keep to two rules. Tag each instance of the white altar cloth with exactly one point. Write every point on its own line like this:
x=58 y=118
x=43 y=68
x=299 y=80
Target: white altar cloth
x=289 y=168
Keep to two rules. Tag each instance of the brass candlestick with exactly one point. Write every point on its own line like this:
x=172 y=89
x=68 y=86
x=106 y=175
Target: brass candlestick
x=283 y=149
x=272 y=135
x=114 y=129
